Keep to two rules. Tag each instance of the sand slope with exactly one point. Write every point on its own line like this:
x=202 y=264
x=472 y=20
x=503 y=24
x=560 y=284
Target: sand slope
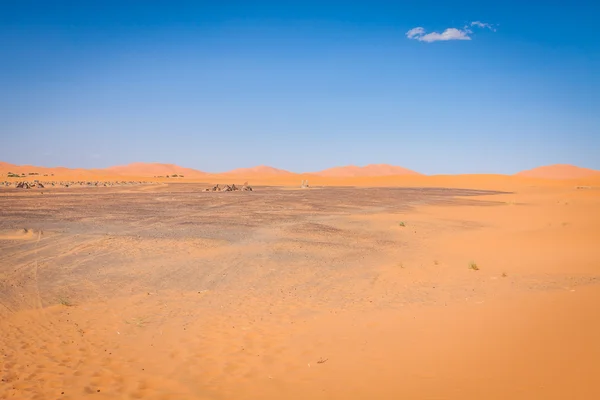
x=37 y=172
x=153 y=169
x=559 y=171
x=371 y=175
x=369 y=170
x=260 y=171
x=4 y=166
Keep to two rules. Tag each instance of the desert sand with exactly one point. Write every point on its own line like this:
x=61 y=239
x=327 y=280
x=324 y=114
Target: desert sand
x=560 y=171
x=350 y=175
x=258 y=171
x=371 y=170
x=152 y=170
x=389 y=287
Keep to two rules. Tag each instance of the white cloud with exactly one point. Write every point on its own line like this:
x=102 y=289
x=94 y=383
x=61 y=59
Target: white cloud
x=483 y=25
x=420 y=34
x=448 y=34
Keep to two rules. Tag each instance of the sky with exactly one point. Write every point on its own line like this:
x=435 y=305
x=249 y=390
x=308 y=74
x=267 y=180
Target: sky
x=435 y=86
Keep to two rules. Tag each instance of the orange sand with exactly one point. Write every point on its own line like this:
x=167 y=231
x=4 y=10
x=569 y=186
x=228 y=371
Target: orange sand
x=152 y=170
x=295 y=313
x=370 y=175
x=369 y=170
x=560 y=171
x=260 y=171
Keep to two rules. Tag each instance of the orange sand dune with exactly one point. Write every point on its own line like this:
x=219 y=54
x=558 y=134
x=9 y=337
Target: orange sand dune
x=35 y=172
x=559 y=171
x=6 y=166
x=369 y=176
x=369 y=170
x=153 y=169
x=261 y=170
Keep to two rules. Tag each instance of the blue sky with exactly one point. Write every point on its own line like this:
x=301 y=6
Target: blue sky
x=300 y=85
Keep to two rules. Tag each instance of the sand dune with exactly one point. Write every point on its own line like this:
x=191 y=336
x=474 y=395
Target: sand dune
x=153 y=169
x=369 y=170
x=4 y=166
x=35 y=172
x=370 y=175
x=559 y=171
x=261 y=171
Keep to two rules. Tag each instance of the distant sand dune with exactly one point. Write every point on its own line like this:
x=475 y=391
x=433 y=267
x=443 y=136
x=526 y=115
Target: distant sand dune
x=370 y=175
x=369 y=170
x=559 y=171
x=262 y=170
x=154 y=169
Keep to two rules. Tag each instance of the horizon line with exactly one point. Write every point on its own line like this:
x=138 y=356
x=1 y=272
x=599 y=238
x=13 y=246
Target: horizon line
x=403 y=171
